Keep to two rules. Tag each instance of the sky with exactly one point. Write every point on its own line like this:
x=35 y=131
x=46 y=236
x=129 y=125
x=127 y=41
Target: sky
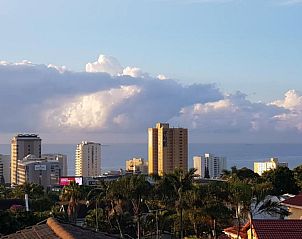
x=229 y=70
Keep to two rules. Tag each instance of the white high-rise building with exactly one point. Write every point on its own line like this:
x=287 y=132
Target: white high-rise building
x=5 y=168
x=209 y=166
x=62 y=158
x=88 y=159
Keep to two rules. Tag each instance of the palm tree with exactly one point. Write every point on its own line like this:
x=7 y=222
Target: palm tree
x=5 y=192
x=71 y=193
x=128 y=194
x=181 y=182
x=96 y=194
x=34 y=191
x=249 y=199
x=137 y=190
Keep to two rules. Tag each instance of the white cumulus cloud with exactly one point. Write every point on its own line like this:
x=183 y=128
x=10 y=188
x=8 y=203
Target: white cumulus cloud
x=234 y=113
x=92 y=111
x=107 y=64
x=46 y=98
x=134 y=72
x=292 y=119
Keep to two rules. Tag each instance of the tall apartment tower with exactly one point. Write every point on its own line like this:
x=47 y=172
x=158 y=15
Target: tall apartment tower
x=21 y=146
x=209 y=166
x=88 y=159
x=167 y=149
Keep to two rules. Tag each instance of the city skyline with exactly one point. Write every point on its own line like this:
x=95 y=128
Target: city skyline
x=229 y=71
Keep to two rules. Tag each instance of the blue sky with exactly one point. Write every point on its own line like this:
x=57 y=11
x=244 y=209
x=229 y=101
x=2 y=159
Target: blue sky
x=254 y=46
x=231 y=70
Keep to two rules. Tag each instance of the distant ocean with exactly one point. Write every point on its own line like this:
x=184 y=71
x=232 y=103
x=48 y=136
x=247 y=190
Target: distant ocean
x=240 y=155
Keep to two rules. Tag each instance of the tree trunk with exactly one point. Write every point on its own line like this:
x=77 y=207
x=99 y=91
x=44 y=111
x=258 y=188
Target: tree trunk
x=181 y=223
x=119 y=228
x=238 y=219
x=251 y=223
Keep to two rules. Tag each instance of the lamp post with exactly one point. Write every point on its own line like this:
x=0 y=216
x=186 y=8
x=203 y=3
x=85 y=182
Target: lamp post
x=96 y=206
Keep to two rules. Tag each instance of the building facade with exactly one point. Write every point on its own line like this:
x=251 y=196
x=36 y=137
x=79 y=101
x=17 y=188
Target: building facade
x=4 y=168
x=39 y=170
x=62 y=158
x=137 y=165
x=21 y=146
x=273 y=163
x=88 y=159
x=198 y=164
x=167 y=149
x=209 y=165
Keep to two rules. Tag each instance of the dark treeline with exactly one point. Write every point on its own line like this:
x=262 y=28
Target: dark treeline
x=138 y=206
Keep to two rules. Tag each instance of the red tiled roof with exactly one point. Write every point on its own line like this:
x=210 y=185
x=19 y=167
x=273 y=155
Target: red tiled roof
x=294 y=201
x=278 y=229
x=53 y=229
x=34 y=232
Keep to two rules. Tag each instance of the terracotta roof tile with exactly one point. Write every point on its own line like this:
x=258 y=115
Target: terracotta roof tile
x=278 y=229
x=34 y=232
x=53 y=229
x=294 y=201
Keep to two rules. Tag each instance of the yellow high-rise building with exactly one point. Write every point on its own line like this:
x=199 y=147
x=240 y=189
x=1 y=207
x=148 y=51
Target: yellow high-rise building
x=167 y=149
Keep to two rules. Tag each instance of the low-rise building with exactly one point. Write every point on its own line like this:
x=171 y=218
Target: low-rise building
x=41 y=171
x=137 y=165
x=294 y=205
x=273 y=163
x=259 y=229
x=62 y=158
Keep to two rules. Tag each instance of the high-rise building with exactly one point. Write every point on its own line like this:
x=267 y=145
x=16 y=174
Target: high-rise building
x=88 y=159
x=209 y=166
x=42 y=171
x=198 y=164
x=167 y=149
x=62 y=158
x=137 y=165
x=21 y=146
x=273 y=163
x=4 y=168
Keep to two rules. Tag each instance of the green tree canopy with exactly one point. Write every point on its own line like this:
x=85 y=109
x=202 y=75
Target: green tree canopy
x=298 y=176
x=282 y=180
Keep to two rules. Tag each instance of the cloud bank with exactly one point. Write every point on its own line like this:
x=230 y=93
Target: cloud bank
x=109 y=98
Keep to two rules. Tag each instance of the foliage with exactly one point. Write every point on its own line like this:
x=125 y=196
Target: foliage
x=298 y=176
x=11 y=222
x=34 y=191
x=139 y=206
x=244 y=174
x=72 y=193
x=282 y=180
